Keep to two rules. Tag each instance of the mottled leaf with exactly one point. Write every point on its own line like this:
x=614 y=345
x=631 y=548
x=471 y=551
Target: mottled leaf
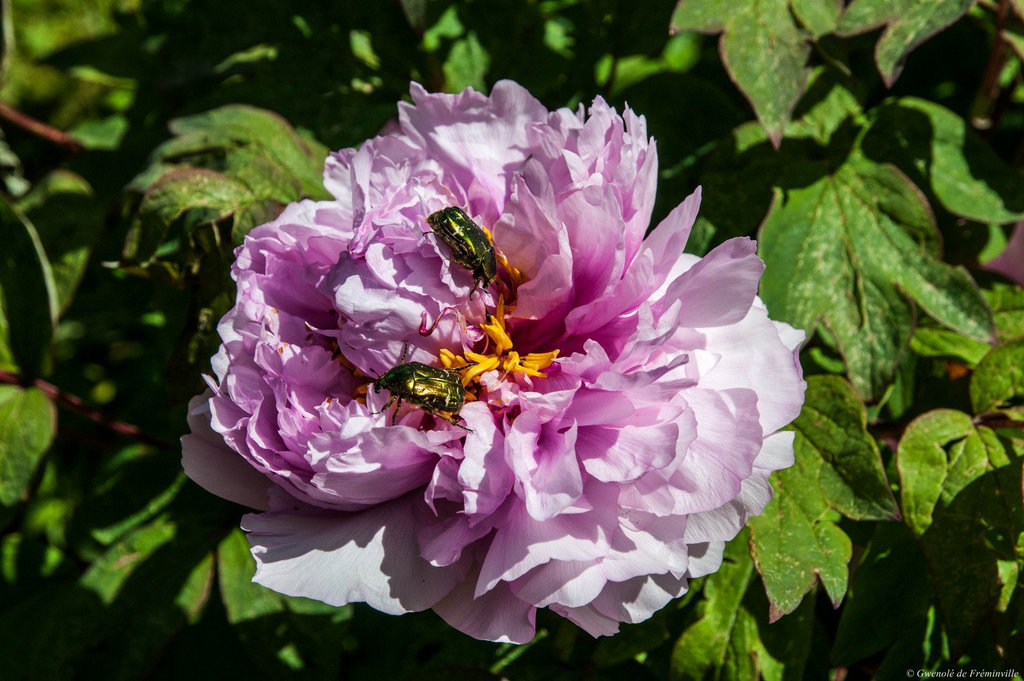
x=934 y=144
x=845 y=250
x=27 y=291
x=207 y=196
x=998 y=382
x=908 y=23
x=28 y=422
x=838 y=468
x=762 y=49
x=961 y=489
x=240 y=125
x=796 y=541
x=833 y=425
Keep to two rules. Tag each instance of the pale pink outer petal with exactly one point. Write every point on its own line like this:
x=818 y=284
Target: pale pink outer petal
x=724 y=522
x=339 y=558
x=720 y=288
x=668 y=239
x=494 y=616
x=215 y=467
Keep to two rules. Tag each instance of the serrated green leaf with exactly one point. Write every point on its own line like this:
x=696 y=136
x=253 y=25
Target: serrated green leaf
x=710 y=641
x=961 y=490
x=931 y=142
x=998 y=382
x=935 y=342
x=892 y=571
x=795 y=540
x=820 y=17
x=762 y=49
x=27 y=291
x=467 y=64
x=841 y=250
x=243 y=599
x=207 y=195
x=237 y=124
x=1008 y=309
x=908 y=24
x=832 y=424
x=824 y=107
x=28 y=422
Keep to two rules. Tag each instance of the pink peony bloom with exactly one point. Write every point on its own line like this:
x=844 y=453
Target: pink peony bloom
x=624 y=399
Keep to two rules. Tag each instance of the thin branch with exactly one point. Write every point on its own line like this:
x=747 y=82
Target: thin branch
x=985 y=99
x=76 y=404
x=40 y=129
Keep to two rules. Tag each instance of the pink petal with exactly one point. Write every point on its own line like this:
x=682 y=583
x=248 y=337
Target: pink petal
x=341 y=558
x=720 y=288
x=493 y=616
x=215 y=467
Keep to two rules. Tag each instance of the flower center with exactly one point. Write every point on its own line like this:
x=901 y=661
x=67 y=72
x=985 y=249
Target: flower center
x=498 y=354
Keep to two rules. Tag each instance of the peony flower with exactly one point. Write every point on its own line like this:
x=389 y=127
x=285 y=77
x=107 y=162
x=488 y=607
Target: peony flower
x=623 y=399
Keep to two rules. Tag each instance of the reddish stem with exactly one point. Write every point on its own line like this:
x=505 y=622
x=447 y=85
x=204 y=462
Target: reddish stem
x=76 y=404
x=40 y=129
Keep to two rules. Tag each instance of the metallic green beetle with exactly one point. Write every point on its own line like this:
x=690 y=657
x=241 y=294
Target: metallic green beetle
x=471 y=247
x=436 y=390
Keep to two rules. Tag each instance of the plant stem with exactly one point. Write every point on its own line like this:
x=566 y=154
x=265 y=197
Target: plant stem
x=77 y=404
x=40 y=129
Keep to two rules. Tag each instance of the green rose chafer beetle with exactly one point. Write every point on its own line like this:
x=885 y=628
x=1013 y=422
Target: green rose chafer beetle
x=436 y=390
x=471 y=247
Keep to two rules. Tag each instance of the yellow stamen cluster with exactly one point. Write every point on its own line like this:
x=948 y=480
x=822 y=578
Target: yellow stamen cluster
x=498 y=354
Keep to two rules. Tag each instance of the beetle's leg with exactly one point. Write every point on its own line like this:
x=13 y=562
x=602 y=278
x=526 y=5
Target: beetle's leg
x=451 y=419
x=405 y=351
x=394 y=414
x=385 y=407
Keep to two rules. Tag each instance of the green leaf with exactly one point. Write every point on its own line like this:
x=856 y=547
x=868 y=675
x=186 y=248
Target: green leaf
x=845 y=250
x=466 y=65
x=825 y=107
x=762 y=49
x=69 y=220
x=908 y=24
x=243 y=599
x=934 y=342
x=820 y=17
x=27 y=291
x=239 y=125
x=1008 y=309
x=832 y=425
x=28 y=421
x=931 y=142
x=961 y=489
x=998 y=382
x=208 y=196
x=723 y=626
x=892 y=571
x=796 y=540
x=838 y=467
